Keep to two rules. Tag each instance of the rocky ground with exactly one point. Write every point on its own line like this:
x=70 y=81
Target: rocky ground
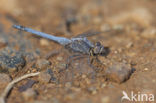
x=127 y=29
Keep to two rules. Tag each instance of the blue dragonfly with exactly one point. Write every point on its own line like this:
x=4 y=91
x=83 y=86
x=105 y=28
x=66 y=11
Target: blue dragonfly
x=79 y=44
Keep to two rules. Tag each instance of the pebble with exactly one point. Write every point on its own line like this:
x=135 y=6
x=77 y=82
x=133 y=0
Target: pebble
x=29 y=94
x=43 y=64
x=153 y=80
x=27 y=85
x=4 y=79
x=97 y=20
x=103 y=85
x=44 y=42
x=105 y=28
x=105 y=99
x=46 y=76
x=146 y=69
x=3 y=42
x=70 y=96
x=29 y=57
x=61 y=66
x=118 y=27
x=92 y=90
x=129 y=45
x=118 y=72
x=11 y=61
x=59 y=58
x=68 y=84
x=84 y=76
x=54 y=100
x=75 y=89
x=149 y=33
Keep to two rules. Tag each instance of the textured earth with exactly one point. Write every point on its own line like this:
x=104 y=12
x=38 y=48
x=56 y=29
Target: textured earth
x=128 y=29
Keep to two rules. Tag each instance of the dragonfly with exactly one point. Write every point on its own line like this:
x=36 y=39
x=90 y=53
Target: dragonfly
x=79 y=44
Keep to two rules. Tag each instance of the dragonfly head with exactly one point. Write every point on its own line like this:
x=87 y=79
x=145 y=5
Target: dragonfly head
x=100 y=49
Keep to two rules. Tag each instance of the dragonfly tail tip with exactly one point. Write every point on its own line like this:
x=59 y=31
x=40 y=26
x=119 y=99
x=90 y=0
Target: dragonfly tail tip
x=18 y=27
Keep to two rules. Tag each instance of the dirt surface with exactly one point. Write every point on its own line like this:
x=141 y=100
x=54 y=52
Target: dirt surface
x=127 y=28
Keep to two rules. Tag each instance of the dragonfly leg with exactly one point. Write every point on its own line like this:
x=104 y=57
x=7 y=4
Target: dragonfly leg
x=90 y=63
x=96 y=64
x=69 y=59
x=72 y=58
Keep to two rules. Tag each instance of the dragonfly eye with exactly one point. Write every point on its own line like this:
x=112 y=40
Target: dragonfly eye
x=97 y=44
x=97 y=48
x=100 y=49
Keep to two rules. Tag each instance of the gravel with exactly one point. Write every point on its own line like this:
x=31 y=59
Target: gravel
x=29 y=94
x=46 y=76
x=11 y=61
x=42 y=64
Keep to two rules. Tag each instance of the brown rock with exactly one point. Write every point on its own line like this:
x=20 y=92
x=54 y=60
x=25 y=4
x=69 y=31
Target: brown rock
x=44 y=77
x=43 y=63
x=149 y=33
x=4 y=79
x=44 y=42
x=3 y=43
x=29 y=94
x=118 y=72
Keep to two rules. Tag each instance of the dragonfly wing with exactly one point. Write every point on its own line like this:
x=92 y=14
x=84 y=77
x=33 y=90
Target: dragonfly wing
x=87 y=34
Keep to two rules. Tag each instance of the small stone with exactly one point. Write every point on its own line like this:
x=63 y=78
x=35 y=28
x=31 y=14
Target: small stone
x=69 y=96
x=29 y=94
x=76 y=83
x=92 y=90
x=76 y=89
x=27 y=85
x=44 y=77
x=97 y=20
x=3 y=42
x=153 y=80
x=29 y=57
x=118 y=72
x=4 y=79
x=103 y=85
x=61 y=66
x=118 y=27
x=76 y=64
x=105 y=28
x=115 y=52
x=129 y=45
x=84 y=76
x=105 y=99
x=43 y=63
x=68 y=84
x=88 y=81
x=59 y=58
x=149 y=33
x=146 y=69
x=44 y=42
x=54 y=100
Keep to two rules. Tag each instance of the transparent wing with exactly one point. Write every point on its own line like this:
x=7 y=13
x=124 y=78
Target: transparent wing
x=87 y=34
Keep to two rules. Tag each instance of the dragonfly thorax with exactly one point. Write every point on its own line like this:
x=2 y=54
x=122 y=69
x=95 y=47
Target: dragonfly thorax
x=98 y=49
